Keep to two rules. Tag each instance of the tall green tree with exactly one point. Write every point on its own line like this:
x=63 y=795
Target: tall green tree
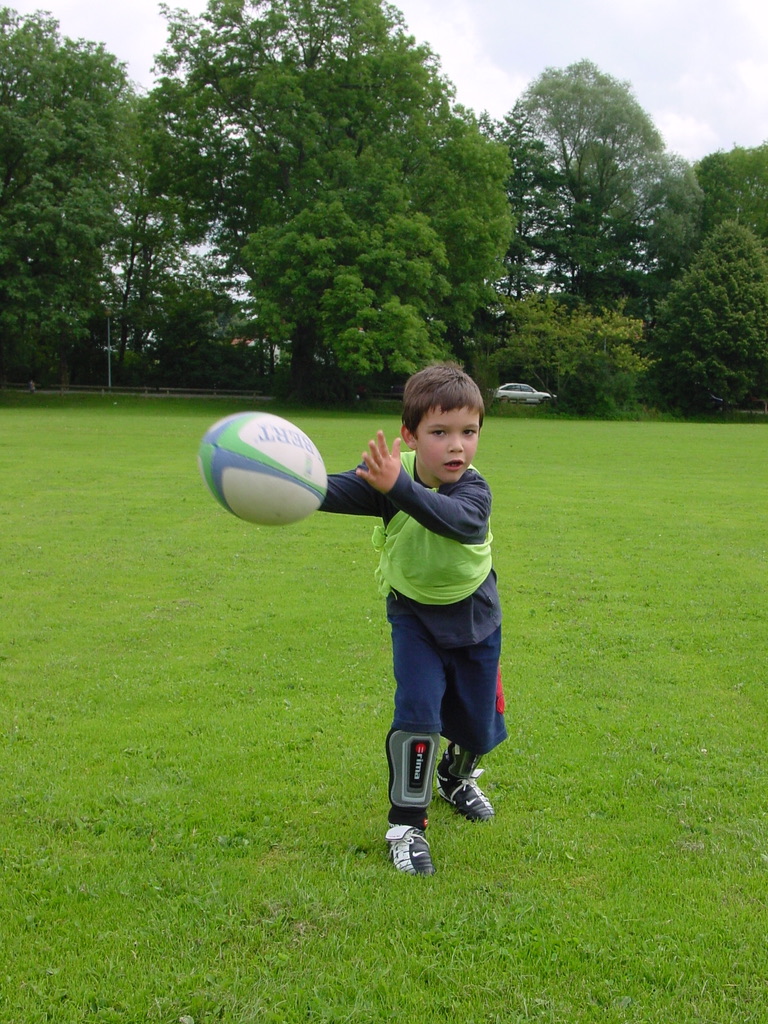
x=318 y=148
x=712 y=331
x=605 y=195
x=62 y=111
x=533 y=190
x=735 y=187
x=151 y=254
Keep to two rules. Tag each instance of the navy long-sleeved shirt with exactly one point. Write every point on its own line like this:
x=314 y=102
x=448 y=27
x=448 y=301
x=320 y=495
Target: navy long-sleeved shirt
x=460 y=511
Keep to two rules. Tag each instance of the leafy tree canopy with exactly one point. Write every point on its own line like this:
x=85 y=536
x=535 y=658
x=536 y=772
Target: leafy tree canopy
x=591 y=361
x=318 y=148
x=735 y=187
x=712 y=334
x=594 y=193
x=62 y=106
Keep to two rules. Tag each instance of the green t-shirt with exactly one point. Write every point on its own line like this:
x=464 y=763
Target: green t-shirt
x=425 y=566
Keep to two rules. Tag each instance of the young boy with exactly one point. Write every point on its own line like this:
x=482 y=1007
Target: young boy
x=442 y=604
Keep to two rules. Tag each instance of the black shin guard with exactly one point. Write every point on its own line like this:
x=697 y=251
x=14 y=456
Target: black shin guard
x=456 y=783
x=411 y=757
x=460 y=763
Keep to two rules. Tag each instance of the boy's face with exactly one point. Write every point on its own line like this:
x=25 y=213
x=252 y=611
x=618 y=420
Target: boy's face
x=445 y=443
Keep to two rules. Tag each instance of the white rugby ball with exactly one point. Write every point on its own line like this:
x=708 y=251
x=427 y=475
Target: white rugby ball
x=262 y=468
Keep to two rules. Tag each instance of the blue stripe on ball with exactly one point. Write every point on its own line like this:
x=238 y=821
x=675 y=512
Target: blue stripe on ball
x=223 y=459
x=218 y=429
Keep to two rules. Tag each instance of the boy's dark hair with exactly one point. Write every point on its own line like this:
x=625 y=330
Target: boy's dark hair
x=444 y=386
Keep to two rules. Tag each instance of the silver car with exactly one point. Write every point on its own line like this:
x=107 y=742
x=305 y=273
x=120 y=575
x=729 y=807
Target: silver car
x=522 y=393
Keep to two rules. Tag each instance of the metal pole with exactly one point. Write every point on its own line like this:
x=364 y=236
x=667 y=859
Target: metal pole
x=109 y=356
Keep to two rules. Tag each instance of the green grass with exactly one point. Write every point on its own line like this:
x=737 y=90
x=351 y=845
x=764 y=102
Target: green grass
x=192 y=775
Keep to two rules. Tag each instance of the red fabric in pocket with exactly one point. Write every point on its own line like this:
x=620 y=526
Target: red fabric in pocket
x=500 y=702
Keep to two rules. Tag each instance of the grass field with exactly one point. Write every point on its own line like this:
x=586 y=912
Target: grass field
x=192 y=774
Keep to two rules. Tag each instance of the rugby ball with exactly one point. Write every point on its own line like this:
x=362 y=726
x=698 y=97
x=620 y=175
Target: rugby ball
x=262 y=468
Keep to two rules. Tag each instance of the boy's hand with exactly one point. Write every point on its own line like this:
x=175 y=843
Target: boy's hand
x=382 y=466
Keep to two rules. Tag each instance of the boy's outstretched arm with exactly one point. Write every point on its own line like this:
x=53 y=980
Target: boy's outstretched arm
x=381 y=466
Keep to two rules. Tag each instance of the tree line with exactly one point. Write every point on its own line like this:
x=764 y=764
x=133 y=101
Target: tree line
x=300 y=205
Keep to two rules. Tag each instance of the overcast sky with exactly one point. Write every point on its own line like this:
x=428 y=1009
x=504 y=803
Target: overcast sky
x=699 y=68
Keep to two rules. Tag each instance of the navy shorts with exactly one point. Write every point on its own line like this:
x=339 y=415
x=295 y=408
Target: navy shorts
x=452 y=691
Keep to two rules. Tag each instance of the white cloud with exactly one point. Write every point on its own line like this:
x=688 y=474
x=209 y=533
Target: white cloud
x=692 y=137
x=698 y=67
x=693 y=65
x=455 y=38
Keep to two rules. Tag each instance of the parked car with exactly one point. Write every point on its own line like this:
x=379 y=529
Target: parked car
x=522 y=393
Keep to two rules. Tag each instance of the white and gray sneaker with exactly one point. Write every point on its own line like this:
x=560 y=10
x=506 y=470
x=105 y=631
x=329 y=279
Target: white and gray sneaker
x=409 y=850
